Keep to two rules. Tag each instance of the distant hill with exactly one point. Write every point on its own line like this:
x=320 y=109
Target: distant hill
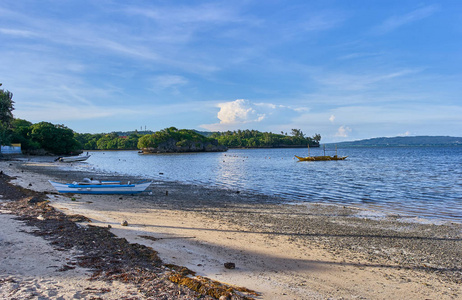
x=405 y=141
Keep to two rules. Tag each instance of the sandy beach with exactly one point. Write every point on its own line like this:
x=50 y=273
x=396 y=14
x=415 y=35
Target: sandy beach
x=280 y=251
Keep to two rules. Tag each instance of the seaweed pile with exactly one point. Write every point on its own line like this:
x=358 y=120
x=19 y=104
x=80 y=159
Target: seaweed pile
x=109 y=257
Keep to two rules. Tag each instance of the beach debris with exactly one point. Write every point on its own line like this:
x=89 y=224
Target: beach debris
x=41 y=218
x=34 y=199
x=66 y=268
x=230 y=265
x=210 y=287
x=78 y=218
x=148 y=237
x=124 y=223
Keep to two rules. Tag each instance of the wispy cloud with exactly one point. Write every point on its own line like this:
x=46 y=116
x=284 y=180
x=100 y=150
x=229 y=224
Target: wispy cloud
x=204 y=13
x=168 y=81
x=17 y=32
x=356 y=82
x=395 y=22
x=320 y=21
x=358 y=55
x=70 y=112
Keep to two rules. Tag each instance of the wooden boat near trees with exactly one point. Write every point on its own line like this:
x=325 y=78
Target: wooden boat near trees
x=321 y=157
x=73 y=158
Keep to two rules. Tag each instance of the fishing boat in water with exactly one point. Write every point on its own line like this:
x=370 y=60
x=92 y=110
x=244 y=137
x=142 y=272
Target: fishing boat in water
x=89 y=186
x=321 y=157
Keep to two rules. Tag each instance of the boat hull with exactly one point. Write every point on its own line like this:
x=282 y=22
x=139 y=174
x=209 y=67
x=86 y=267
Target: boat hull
x=321 y=158
x=74 y=158
x=100 y=188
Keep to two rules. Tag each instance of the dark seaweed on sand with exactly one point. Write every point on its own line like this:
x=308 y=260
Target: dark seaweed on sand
x=109 y=257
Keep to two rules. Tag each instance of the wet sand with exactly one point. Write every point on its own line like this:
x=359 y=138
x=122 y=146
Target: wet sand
x=281 y=251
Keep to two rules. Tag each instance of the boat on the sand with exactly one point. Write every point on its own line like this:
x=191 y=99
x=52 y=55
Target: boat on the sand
x=73 y=158
x=89 y=186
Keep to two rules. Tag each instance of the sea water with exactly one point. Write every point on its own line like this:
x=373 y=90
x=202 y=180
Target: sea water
x=422 y=182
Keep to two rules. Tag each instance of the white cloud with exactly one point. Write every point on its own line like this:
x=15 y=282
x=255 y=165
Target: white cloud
x=332 y=118
x=343 y=131
x=238 y=111
x=242 y=113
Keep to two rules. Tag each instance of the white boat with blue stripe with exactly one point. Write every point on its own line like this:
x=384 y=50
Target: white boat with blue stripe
x=89 y=186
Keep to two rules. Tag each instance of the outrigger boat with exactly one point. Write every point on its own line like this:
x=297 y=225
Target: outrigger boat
x=322 y=157
x=88 y=186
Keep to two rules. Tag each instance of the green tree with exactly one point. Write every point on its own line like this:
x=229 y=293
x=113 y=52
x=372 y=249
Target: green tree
x=57 y=139
x=21 y=133
x=6 y=107
x=317 y=138
x=88 y=141
x=6 y=115
x=108 y=142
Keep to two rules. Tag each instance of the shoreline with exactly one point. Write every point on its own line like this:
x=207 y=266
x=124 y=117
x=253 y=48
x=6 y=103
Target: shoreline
x=282 y=251
x=441 y=209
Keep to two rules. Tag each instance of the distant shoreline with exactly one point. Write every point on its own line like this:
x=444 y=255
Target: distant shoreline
x=404 y=141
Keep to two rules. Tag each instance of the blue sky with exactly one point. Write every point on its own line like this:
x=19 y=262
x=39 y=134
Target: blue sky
x=347 y=70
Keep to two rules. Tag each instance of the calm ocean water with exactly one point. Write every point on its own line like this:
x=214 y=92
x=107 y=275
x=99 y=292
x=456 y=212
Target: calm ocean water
x=418 y=181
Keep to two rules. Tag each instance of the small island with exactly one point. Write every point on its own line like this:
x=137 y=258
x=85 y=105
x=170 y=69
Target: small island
x=172 y=140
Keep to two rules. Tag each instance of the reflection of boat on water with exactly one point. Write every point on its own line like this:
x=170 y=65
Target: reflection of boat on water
x=88 y=186
x=73 y=158
x=322 y=157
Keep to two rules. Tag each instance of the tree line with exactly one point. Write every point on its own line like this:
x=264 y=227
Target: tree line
x=257 y=139
x=58 y=139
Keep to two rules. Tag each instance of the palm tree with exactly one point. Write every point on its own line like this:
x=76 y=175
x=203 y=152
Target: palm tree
x=6 y=107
